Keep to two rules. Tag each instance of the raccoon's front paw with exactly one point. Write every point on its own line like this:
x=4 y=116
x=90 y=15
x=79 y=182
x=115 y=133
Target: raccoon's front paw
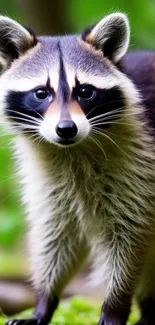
x=29 y=321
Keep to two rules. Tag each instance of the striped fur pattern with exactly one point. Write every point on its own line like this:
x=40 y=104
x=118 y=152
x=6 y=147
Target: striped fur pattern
x=93 y=199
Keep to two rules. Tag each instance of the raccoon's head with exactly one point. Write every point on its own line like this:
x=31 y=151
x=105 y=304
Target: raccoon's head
x=63 y=88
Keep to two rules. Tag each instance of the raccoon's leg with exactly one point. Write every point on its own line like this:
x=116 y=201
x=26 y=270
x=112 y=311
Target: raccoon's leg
x=147 y=307
x=57 y=252
x=146 y=292
x=45 y=307
x=120 y=270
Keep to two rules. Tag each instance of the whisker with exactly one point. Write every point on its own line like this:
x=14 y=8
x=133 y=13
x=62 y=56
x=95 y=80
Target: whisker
x=111 y=115
x=38 y=138
x=29 y=131
x=39 y=115
x=25 y=115
x=8 y=145
x=7 y=132
x=107 y=113
x=23 y=119
x=8 y=179
x=111 y=122
x=10 y=194
x=109 y=138
x=41 y=139
x=116 y=144
x=102 y=104
x=97 y=131
x=101 y=131
x=22 y=126
x=18 y=131
x=33 y=136
x=98 y=144
x=3 y=132
x=13 y=131
x=108 y=118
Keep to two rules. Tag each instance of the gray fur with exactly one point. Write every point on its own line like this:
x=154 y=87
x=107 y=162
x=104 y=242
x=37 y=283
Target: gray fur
x=96 y=198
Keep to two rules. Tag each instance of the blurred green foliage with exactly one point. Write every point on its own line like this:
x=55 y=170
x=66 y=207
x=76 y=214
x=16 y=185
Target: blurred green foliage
x=77 y=311
x=11 y=225
x=141 y=14
x=80 y=14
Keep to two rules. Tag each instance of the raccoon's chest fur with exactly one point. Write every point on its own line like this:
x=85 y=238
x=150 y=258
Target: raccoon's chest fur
x=101 y=193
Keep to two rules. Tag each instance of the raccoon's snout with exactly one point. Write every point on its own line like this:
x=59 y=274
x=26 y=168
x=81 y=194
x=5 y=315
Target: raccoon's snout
x=66 y=129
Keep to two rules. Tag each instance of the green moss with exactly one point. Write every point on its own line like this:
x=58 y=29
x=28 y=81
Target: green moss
x=77 y=311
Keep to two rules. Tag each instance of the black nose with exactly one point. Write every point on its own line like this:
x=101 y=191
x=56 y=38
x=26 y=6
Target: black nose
x=66 y=129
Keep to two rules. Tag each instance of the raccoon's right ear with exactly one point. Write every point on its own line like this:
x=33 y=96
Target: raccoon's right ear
x=14 y=40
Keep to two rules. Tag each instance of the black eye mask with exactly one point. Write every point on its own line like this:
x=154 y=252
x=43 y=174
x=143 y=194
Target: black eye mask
x=32 y=103
x=95 y=102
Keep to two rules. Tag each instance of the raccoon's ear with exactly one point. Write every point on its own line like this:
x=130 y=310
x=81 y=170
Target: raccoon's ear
x=14 y=40
x=111 y=35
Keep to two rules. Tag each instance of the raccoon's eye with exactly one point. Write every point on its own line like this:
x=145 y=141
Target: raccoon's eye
x=41 y=94
x=86 y=92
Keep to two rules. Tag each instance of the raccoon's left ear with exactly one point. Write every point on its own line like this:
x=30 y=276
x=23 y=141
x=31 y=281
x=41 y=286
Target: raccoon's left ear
x=14 y=40
x=111 y=35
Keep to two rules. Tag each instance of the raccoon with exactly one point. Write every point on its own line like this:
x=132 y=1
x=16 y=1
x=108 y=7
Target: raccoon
x=82 y=112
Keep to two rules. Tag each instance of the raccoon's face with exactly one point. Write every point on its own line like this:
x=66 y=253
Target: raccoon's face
x=63 y=88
